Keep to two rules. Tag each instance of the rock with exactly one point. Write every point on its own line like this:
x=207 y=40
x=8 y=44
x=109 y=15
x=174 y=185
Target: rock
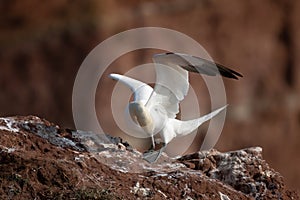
x=40 y=160
x=244 y=170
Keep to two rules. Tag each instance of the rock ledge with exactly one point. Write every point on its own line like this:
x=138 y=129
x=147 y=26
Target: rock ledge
x=39 y=160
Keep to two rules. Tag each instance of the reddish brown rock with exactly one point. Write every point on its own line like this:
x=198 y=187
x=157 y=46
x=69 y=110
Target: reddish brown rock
x=39 y=160
x=244 y=170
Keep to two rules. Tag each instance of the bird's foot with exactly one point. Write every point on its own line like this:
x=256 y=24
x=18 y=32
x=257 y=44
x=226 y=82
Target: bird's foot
x=152 y=155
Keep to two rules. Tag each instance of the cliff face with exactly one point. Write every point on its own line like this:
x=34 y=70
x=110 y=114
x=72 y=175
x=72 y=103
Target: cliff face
x=41 y=160
x=41 y=51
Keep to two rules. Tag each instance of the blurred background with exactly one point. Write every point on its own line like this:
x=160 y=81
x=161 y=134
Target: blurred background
x=42 y=45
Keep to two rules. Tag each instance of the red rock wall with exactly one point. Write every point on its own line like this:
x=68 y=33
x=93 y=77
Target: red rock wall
x=43 y=45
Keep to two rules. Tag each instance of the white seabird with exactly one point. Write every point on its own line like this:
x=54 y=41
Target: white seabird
x=154 y=110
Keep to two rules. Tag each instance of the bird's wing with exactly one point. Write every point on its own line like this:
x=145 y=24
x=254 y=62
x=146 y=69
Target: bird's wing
x=141 y=91
x=198 y=65
x=182 y=128
x=171 y=86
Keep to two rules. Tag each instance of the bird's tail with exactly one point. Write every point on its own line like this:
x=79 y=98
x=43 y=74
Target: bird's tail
x=186 y=127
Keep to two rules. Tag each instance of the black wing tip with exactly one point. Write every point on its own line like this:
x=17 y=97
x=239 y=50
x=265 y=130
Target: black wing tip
x=231 y=74
x=168 y=53
x=235 y=76
x=227 y=72
x=224 y=71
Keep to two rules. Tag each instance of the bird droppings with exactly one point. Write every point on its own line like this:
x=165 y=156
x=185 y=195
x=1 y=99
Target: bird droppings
x=223 y=196
x=43 y=161
x=244 y=170
x=7 y=124
x=189 y=198
x=163 y=194
x=140 y=191
x=7 y=149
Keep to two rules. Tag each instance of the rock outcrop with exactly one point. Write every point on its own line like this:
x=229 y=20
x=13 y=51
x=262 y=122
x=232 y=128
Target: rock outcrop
x=40 y=160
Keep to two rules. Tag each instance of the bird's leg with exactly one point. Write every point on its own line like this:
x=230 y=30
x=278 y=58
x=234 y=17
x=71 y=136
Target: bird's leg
x=153 y=145
x=153 y=142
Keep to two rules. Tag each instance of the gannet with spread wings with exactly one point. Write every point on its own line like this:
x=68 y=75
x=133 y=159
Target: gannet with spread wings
x=154 y=110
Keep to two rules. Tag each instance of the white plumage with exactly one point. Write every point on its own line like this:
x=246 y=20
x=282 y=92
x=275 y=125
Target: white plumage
x=154 y=110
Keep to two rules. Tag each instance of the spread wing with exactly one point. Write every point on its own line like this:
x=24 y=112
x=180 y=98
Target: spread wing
x=198 y=65
x=172 y=84
x=141 y=91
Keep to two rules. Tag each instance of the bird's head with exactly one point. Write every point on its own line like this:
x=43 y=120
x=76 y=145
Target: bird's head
x=140 y=114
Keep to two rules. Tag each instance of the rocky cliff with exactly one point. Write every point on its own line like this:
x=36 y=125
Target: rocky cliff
x=40 y=160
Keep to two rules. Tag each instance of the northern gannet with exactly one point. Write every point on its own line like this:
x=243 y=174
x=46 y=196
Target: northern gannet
x=154 y=110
